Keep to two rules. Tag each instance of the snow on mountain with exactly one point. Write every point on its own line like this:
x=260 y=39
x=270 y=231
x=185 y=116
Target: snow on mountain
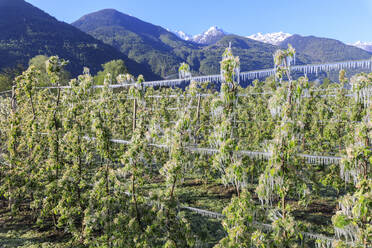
x=363 y=45
x=271 y=38
x=211 y=36
x=214 y=34
x=183 y=35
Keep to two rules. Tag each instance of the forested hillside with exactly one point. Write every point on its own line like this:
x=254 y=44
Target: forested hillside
x=26 y=31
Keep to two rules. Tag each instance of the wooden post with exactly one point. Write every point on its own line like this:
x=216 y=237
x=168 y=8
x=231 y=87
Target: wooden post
x=13 y=101
x=13 y=106
x=198 y=110
x=197 y=118
x=303 y=241
x=134 y=113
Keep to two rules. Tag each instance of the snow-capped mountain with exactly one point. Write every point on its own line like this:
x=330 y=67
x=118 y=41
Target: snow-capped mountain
x=271 y=38
x=363 y=45
x=211 y=36
x=183 y=35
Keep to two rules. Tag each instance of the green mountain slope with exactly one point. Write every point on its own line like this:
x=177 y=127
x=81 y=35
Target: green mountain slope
x=253 y=54
x=324 y=49
x=26 y=31
x=164 y=51
x=139 y=40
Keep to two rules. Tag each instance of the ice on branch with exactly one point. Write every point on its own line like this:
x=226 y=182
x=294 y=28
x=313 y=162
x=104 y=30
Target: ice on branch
x=184 y=71
x=361 y=86
x=125 y=78
x=230 y=67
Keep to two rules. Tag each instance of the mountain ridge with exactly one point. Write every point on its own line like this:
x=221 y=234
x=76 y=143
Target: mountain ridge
x=166 y=52
x=271 y=38
x=208 y=37
x=363 y=45
x=141 y=41
x=324 y=49
x=26 y=31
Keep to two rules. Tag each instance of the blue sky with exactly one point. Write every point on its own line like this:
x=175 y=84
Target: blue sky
x=346 y=20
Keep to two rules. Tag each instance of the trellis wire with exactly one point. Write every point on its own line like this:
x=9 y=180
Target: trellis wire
x=249 y=75
x=203 y=212
x=316 y=68
x=198 y=95
x=311 y=159
x=268 y=227
x=315 y=159
x=262 y=226
x=6 y=92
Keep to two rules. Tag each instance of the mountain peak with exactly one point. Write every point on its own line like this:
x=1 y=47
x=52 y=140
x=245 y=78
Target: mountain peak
x=271 y=38
x=183 y=35
x=108 y=10
x=211 y=36
x=363 y=45
x=214 y=29
x=111 y=13
x=105 y=16
x=115 y=18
